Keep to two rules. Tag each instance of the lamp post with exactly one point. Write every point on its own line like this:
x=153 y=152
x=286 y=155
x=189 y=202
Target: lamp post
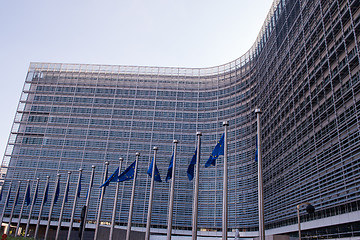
x=309 y=209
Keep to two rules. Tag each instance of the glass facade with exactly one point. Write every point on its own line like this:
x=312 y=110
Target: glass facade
x=302 y=71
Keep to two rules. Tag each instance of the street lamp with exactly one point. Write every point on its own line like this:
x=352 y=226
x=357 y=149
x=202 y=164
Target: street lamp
x=309 y=209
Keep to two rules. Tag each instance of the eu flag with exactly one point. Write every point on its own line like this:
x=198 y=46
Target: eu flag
x=67 y=192
x=128 y=173
x=17 y=196
x=79 y=190
x=27 y=195
x=218 y=150
x=256 y=150
x=57 y=193
x=157 y=174
x=8 y=199
x=190 y=170
x=112 y=178
x=170 y=168
x=36 y=193
x=46 y=193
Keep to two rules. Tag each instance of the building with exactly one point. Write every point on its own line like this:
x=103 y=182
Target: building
x=302 y=71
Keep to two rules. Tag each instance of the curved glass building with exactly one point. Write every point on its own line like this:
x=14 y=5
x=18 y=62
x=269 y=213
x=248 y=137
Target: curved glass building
x=302 y=72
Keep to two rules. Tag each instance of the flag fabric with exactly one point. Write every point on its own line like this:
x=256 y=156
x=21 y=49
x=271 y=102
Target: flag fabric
x=105 y=177
x=170 y=168
x=190 y=170
x=17 y=196
x=128 y=173
x=57 y=193
x=67 y=192
x=218 y=150
x=27 y=195
x=8 y=199
x=36 y=193
x=157 y=173
x=112 y=178
x=256 y=149
x=46 y=193
x=79 y=189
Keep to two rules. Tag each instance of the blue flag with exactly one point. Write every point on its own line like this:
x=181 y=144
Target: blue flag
x=57 y=192
x=256 y=150
x=46 y=193
x=128 y=173
x=67 y=192
x=36 y=193
x=17 y=196
x=157 y=174
x=79 y=190
x=27 y=195
x=218 y=150
x=8 y=199
x=170 y=168
x=190 y=170
x=112 y=178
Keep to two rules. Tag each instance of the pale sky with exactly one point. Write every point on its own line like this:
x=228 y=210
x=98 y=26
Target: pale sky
x=165 y=33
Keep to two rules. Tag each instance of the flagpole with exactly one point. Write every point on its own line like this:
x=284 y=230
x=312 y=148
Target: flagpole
x=196 y=192
x=52 y=206
x=225 y=184
x=88 y=201
x=115 y=202
x=22 y=208
x=32 y=206
x=7 y=199
x=101 y=202
x=41 y=208
x=260 y=180
x=74 y=205
x=148 y=220
x=13 y=208
x=172 y=190
x=62 y=206
x=128 y=231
